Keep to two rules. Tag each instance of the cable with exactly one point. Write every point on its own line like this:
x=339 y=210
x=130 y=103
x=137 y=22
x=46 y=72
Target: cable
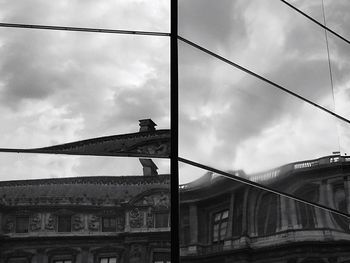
x=262 y=187
x=85 y=29
x=330 y=68
x=260 y=77
x=315 y=21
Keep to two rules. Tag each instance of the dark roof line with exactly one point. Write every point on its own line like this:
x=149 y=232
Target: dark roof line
x=115 y=180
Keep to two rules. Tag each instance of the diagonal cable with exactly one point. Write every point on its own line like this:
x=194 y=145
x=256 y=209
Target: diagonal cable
x=316 y=22
x=260 y=77
x=262 y=187
x=85 y=29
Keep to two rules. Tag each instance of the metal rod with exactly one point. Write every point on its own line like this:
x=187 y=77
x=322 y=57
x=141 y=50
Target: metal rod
x=85 y=29
x=174 y=126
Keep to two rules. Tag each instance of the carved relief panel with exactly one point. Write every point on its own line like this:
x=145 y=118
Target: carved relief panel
x=93 y=223
x=50 y=222
x=35 y=222
x=78 y=223
x=136 y=218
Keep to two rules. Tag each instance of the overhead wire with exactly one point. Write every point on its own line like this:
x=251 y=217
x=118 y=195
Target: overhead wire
x=85 y=29
x=315 y=21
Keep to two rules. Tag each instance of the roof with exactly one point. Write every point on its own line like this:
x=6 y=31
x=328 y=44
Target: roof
x=97 y=190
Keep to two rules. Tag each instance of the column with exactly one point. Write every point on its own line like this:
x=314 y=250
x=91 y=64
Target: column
x=283 y=214
x=230 y=217
x=292 y=211
x=193 y=214
x=347 y=192
x=326 y=198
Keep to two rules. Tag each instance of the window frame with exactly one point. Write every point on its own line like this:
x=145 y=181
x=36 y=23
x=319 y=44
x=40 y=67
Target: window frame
x=219 y=223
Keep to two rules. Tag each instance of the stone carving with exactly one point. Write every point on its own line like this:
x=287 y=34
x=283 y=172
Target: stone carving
x=136 y=218
x=9 y=225
x=50 y=223
x=94 y=223
x=35 y=223
x=78 y=222
x=158 y=201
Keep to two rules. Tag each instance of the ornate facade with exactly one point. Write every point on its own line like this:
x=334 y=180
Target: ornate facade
x=86 y=219
x=226 y=221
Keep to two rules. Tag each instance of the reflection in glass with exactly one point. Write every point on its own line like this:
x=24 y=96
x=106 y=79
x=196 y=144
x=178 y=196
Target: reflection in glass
x=234 y=122
x=262 y=226
x=122 y=14
x=339 y=57
x=58 y=87
x=267 y=37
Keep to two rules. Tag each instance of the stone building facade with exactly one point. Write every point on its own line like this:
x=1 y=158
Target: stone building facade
x=226 y=221
x=87 y=219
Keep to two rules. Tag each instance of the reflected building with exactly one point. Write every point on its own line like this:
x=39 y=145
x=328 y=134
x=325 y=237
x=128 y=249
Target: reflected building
x=226 y=221
x=86 y=219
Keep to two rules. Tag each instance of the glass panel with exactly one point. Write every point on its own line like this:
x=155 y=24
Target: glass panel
x=122 y=14
x=54 y=91
x=234 y=122
x=263 y=226
x=104 y=260
x=112 y=260
x=266 y=37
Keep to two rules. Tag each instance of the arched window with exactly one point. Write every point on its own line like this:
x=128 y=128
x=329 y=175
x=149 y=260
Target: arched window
x=267 y=214
x=306 y=213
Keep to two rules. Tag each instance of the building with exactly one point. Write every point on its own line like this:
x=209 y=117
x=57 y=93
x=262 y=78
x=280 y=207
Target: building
x=86 y=219
x=226 y=221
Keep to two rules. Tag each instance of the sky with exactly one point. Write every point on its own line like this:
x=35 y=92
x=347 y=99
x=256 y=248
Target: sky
x=59 y=86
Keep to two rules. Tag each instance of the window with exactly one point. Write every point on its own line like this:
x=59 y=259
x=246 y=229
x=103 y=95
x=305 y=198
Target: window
x=22 y=224
x=108 y=260
x=63 y=261
x=161 y=219
x=220 y=220
x=161 y=257
x=267 y=215
x=109 y=224
x=64 y=225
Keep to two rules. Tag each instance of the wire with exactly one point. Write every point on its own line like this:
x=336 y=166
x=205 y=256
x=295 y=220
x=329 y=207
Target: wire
x=260 y=77
x=315 y=21
x=262 y=187
x=330 y=68
x=85 y=29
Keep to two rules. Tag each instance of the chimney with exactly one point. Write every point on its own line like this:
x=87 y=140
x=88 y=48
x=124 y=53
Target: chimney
x=149 y=167
x=147 y=125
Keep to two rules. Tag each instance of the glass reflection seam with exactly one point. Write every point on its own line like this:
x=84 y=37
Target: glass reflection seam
x=231 y=63
x=315 y=21
x=262 y=187
x=85 y=29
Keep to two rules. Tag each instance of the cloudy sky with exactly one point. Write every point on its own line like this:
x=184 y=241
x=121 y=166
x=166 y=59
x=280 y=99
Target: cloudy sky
x=57 y=87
